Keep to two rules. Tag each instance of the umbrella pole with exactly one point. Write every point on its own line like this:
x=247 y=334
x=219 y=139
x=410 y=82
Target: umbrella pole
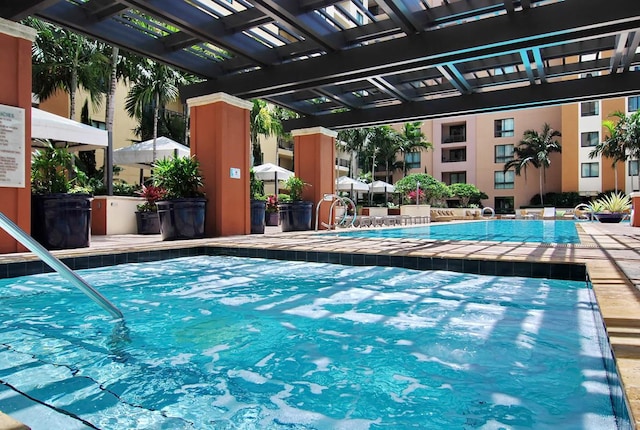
x=275 y=185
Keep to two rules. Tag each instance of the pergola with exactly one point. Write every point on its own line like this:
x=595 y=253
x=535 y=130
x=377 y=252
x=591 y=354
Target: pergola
x=350 y=63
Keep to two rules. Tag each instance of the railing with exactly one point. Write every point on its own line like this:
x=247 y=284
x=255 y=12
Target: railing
x=63 y=270
x=454 y=138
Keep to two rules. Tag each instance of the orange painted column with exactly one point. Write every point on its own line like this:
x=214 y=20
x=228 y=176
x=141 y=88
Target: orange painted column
x=315 y=163
x=220 y=142
x=15 y=96
x=635 y=209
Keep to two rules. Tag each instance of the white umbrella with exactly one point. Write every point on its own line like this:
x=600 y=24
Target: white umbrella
x=141 y=154
x=380 y=187
x=345 y=183
x=45 y=125
x=271 y=172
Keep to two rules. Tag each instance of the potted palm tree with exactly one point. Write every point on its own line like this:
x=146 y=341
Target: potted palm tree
x=182 y=212
x=60 y=207
x=295 y=214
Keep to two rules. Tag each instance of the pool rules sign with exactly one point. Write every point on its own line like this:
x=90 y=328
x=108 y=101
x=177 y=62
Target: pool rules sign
x=12 y=147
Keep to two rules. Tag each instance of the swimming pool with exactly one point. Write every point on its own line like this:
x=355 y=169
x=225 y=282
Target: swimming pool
x=226 y=342
x=541 y=231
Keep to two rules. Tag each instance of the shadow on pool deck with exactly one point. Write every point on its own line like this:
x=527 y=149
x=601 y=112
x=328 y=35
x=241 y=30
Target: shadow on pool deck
x=610 y=253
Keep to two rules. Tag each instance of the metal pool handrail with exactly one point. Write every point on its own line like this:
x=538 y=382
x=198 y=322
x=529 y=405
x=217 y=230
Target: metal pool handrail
x=18 y=234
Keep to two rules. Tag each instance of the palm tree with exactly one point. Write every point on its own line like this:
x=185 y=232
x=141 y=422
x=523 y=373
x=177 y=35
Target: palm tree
x=411 y=139
x=385 y=144
x=535 y=150
x=614 y=146
x=63 y=60
x=262 y=122
x=353 y=140
x=154 y=86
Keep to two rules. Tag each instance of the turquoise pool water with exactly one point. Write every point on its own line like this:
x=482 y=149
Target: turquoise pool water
x=552 y=231
x=231 y=343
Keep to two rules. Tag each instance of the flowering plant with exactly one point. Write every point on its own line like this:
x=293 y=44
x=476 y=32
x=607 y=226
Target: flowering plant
x=151 y=194
x=272 y=204
x=411 y=196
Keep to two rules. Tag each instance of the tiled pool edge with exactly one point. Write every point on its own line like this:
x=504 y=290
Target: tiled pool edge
x=480 y=266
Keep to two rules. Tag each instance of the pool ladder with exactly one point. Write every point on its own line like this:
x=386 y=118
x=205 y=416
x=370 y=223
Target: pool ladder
x=63 y=270
x=335 y=199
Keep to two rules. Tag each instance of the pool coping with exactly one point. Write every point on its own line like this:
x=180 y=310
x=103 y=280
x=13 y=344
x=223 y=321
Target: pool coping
x=608 y=256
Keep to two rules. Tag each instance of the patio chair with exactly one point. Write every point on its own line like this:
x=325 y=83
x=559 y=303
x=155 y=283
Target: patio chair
x=549 y=213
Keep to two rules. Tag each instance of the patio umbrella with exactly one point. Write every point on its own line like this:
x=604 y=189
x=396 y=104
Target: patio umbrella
x=271 y=172
x=381 y=187
x=141 y=154
x=345 y=183
x=46 y=125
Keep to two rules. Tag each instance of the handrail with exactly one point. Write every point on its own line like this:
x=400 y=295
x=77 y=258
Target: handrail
x=334 y=199
x=63 y=270
x=490 y=209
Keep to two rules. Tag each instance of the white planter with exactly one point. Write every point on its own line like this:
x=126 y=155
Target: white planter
x=376 y=211
x=416 y=210
x=114 y=215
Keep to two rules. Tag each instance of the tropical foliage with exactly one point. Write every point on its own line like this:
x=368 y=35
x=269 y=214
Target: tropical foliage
x=466 y=193
x=435 y=192
x=295 y=186
x=622 y=142
x=151 y=194
x=613 y=203
x=535 y=150
x=179 y=176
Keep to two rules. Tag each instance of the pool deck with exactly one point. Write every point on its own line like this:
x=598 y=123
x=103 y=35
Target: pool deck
x=610 y=252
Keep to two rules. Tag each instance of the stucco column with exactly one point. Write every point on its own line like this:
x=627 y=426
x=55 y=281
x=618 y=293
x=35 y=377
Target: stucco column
x=635 y=209
x=15 y=92
x=220 y=142
x=315 y=163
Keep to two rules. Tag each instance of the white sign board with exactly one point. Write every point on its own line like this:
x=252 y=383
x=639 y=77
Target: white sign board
x=234 y=173
x=12 y=147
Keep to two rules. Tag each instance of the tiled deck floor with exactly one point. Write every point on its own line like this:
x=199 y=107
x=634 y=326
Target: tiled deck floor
x=611 y=253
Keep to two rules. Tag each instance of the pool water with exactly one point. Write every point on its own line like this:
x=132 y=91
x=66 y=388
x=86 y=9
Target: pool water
x=229 y=343
x=540 y=231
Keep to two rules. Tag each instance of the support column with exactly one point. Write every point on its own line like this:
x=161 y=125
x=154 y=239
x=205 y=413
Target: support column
x=635 y=209
x=15 y=92
x=220 y=141
x=315 y=163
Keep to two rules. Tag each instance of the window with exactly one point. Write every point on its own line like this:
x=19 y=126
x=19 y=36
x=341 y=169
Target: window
x=503 y=127
x=413 y=160
x=633 y=168
x=504 y=153
x=633 y=103
x=590 y=170
x=359 y=18
x=503 y=180
x=504 y=205
x=589 y=138
x=589 y=108
x=457 y=178
x=453 y=155
x=99 y=124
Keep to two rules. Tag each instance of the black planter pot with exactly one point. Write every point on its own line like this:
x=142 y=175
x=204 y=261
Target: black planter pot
x=257 y=216
x=148 y=222
x=61 y=221
x=272 y=218
x=295 y=216
x=182 y=218
x=610 y=218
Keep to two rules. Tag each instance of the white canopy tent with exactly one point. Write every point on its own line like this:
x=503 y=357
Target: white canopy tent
x=270 y=172
x=345 y=183
x=46 y=125
x=141 y=154
x=381 y=187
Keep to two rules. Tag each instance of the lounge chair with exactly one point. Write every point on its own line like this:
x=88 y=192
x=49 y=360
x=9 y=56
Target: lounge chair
x=549 y=213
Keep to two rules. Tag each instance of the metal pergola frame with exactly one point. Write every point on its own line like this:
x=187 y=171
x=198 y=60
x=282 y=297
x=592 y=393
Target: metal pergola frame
x=350 y=63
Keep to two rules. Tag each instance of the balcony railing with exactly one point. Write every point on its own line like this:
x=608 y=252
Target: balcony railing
x=453 y=159
x=454 y=138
